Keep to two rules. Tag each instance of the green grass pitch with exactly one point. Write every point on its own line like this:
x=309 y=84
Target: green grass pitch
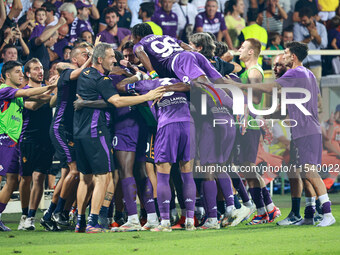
x=263 y=239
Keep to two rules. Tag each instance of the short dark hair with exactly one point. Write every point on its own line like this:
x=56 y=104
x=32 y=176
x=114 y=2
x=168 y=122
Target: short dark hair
x=221 y=49
x=142 y=30
x=300 y=50
x=288 y=29
x=27 y=66
x=8 y=66
x=128 y=45
x=110 y=10
x=6 y=47
x=49 y=7
x=40 y=10
x=119 y=56
x=149 y=8
x=306 y=12
x=252 y=14
x=67 y=47
x=255 y=45
x=272 y=36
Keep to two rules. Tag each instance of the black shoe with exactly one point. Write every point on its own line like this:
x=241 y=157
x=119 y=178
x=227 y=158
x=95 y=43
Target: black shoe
x=60 y=219
x=49 y=225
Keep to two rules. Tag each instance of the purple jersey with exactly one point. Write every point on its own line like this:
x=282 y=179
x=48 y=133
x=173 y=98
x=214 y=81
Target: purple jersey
x=173 y=107
x=210 y=25
x=168 y=22
x=59 y=46
x=107 y=37
x=125 y=116
x=77 y=27
x=161 y=51
x=301 y=77
x=37 y=31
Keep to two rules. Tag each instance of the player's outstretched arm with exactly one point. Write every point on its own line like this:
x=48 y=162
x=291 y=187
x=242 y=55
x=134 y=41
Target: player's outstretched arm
x=178 y=87
x=119 y=101
x=34 y=91
x=260 y=87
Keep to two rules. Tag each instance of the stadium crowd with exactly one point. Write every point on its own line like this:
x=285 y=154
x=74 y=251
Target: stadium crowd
x=99 y=86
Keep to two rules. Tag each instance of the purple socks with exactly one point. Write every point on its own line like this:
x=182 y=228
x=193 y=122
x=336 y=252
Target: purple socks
x=129 y=193
x=163 y=195
x=209 y=189
x=266 y=196
x=227 y=189
x=2 y=207
x=256 y=195
x=149 y=202
x=189 y=194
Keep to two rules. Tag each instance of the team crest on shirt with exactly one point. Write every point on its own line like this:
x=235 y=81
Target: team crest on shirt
x=87 y=72
x=106 y=78
x=71 y=144
x=24 y=159
x=162 y=16
x=216 y=20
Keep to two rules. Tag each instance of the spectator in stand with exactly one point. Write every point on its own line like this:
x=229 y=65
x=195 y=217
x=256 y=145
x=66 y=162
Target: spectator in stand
x=13 y=36
x=287 y=36
x=9 y=53
x=213 y=21
x=124 y=14
x=186 y=13
x=234 y=21
x=67 y=53
x=36 y=4
x=253 y=30
x=313 y=33
x=39 y=45
x=145 y=13
x=274 y=40
x=327 y=9
x=308 y=4
x=51 y=10
x=87 y=36
x=273 y=16
x=62 y=40
x=40 y=18
x=166 y=19
x=113 y=34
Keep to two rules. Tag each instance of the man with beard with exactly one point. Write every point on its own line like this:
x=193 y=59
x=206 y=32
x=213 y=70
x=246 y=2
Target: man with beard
x=35 y=147
x=113 y=34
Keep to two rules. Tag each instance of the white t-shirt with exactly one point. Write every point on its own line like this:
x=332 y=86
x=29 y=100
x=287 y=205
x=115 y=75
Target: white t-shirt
x=188 y=10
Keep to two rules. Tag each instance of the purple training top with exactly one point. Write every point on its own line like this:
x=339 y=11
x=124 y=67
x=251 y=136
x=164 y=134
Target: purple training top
x=301 y=77
x=161 y=51
x=173 y=107
x=168 y=22
x=210 y=25
x=77 y=27
x=107 y=37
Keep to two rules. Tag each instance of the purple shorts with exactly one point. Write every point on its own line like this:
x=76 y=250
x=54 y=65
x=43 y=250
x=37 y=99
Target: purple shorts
x=248 y=146
x=9 y=156
x=191 y=65
x=134 y=139
x=308 y=149
x=215 y=143
x=175 y=141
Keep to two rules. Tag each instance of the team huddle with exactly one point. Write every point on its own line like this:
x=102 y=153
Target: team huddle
x=146 y=122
